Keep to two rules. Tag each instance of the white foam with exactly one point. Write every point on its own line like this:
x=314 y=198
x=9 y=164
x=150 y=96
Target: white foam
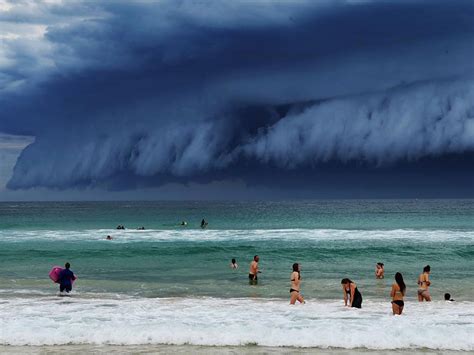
x=208 y=321
x=125 y=236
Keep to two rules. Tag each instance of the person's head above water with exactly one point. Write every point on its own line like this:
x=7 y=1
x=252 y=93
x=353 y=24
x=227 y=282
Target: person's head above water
x=233 y=261
x=447 y=297
x=296 y=267
x=67 y=265
x=427 y=268
x=256 y=258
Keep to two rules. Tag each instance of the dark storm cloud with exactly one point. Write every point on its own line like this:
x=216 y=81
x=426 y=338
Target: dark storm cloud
x=126 y=93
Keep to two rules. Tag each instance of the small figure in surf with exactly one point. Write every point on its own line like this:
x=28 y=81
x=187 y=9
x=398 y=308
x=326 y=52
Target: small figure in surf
x=424 y=284
x=204 y=223
x=295 y=279
x=233 y=264
x=447 y=297
x=141 y=228
x=379 y=271
x=253 y=271
x=184 y=223
x=109 y=237
x=66 y=277
x=120 y=226
x=397 y=293
x=352 y=296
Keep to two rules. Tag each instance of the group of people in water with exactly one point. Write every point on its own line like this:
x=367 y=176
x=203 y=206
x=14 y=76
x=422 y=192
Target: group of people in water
x=351 y=294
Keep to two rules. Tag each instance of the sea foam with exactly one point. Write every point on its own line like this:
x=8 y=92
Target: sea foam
x=213 y=321
x=127 y=236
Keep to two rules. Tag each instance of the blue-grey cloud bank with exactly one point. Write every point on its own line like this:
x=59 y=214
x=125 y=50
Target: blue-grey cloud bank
x=121 y=95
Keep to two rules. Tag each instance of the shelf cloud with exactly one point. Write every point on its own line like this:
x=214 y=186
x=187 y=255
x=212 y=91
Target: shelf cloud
x=120 y=94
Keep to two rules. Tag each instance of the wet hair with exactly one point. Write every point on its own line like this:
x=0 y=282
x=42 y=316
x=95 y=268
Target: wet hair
x=346 y=281
x=233 y=261
x=67 y=265
x=400 y=283
x=447 y=297
x=380 y=264
x=255 y=257
x=427 y=268
x=295 y=269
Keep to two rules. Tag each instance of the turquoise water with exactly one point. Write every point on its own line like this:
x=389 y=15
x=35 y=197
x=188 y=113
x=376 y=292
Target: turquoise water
x=330 y=214
x=146 y=273
x=331 y=239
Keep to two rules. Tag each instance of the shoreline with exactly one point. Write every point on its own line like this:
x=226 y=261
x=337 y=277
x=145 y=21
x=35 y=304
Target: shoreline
x=195 y=349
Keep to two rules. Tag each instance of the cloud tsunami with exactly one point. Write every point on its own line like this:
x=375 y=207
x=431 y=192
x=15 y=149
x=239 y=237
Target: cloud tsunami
x=126 y=94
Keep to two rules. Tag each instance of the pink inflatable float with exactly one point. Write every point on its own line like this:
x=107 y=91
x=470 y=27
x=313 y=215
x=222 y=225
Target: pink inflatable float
x=54 y=274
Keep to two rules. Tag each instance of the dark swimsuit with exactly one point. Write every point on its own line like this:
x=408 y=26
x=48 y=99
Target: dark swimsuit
x=252 y=277
x=293 y=290
x=357 y=301
x=399 y=303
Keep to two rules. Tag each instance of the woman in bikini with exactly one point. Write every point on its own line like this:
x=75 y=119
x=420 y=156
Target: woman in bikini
x=397 y=293
x=295 y=285
x=349 y=288
x=423 y=285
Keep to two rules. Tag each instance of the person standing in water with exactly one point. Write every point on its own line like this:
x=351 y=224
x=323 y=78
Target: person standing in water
x=233 y=264
x=424 y=284
x=295 y=285
x=352 y=296
x=397 y=294
x=253 y=271
x=379 y=271
x=203 y=223
x=66 y=277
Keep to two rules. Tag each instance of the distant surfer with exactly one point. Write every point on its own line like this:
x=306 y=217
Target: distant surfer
x=253 y=271
x=379 y=271
x=66 y=277
x=203 y=223
x=233 y=264
x=108 y=237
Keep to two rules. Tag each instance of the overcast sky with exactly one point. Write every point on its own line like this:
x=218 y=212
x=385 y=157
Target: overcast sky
x=236 y=99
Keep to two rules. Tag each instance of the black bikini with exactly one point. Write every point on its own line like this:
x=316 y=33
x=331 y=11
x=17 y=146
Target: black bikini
x=399 y=303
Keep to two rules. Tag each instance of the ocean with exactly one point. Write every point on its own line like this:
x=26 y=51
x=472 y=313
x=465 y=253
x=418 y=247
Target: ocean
x=170 y=286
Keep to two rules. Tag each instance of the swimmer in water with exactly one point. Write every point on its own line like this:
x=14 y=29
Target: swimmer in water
x=295 y=279
x=233 y=264
x=109 y=237
x=184 y=223
x=352 y=296
x=379 y=271
x=204 y=223
x=447 y=297
x=253 y=271
x=397 y=293
x=424 y=284
x=66 y=276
